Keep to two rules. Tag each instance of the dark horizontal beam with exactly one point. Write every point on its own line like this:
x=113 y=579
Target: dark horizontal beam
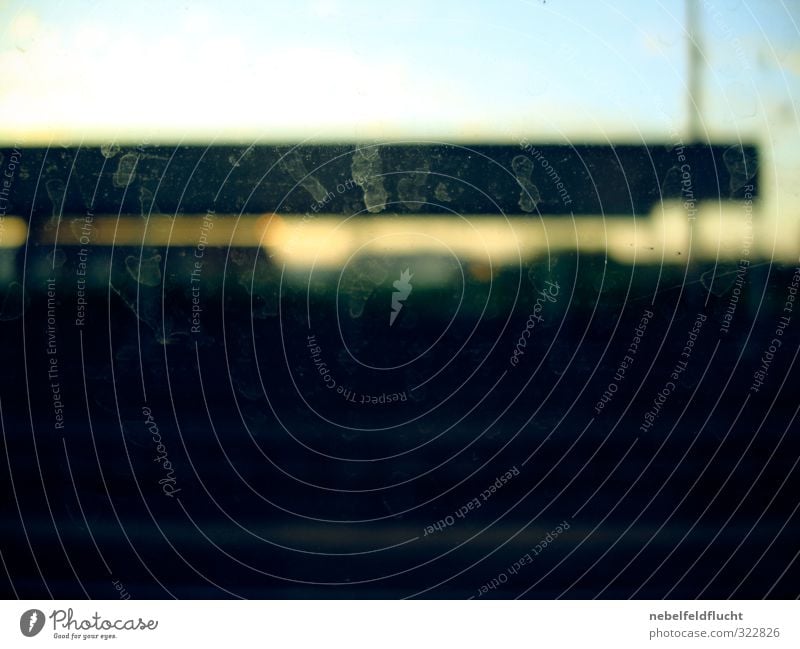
x=386 y=179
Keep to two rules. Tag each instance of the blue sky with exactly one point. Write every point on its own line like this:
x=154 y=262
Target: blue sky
x=369 y=69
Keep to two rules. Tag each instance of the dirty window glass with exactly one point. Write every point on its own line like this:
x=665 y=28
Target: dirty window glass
x=371 y=300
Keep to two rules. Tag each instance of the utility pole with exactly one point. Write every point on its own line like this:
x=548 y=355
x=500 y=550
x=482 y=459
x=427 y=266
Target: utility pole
x=695 y=72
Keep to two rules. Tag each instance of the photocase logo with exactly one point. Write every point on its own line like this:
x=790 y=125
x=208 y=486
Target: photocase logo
x=31 y=622
x=403 y=290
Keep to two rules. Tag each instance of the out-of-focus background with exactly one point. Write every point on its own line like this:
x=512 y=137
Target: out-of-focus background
x=351 y=299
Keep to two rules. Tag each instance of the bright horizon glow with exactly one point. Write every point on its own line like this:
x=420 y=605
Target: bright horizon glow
x=326 y=241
